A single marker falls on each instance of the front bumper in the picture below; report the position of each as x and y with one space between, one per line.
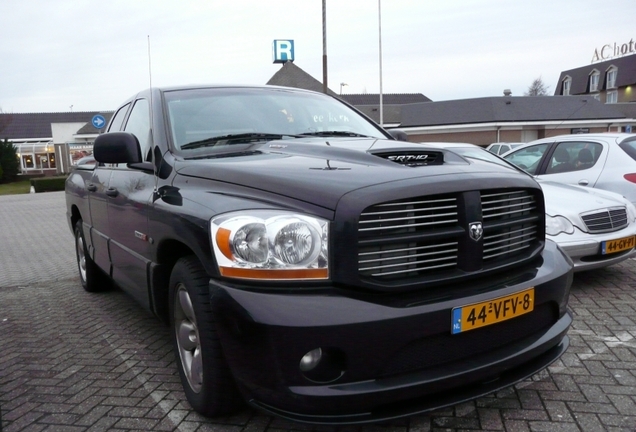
387 356
585 249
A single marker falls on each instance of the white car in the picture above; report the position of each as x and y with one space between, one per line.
502 147
595 227
601 161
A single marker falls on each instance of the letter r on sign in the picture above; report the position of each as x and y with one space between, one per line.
283 51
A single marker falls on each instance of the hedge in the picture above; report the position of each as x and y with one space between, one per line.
48 184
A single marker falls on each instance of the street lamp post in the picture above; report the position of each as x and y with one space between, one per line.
380 50
342 85
324 46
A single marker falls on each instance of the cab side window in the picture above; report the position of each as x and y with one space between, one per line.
118 119
574 156
138 124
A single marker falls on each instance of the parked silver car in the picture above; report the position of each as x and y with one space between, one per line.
595 227
603 161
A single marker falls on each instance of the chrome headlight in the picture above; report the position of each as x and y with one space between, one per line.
267 244
555 225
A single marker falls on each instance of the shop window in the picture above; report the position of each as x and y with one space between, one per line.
41 161
594 77
27 161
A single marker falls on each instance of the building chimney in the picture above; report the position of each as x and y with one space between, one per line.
507 92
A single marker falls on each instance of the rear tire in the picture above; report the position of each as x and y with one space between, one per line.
205 375
92 278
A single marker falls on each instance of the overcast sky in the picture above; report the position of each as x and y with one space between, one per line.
91 55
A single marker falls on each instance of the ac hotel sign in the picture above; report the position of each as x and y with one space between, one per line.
610 51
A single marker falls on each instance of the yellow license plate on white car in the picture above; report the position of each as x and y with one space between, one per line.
619 245
477 315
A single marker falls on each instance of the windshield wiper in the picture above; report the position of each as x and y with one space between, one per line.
335 134
235 139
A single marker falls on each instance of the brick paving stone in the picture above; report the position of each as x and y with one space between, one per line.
75 361
558 411
490 419
588 422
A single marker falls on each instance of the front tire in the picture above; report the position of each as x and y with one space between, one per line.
92 278
205 375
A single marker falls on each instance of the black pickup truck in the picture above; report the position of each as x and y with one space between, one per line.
311 264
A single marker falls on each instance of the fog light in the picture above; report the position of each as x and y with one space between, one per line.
323 365
311 360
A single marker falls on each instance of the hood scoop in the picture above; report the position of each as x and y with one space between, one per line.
413 158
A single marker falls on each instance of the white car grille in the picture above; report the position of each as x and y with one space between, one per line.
608 220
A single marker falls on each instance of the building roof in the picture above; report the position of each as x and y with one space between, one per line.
89 129
626 75
391 114
387 98
507 109
627 108
290 75
38 125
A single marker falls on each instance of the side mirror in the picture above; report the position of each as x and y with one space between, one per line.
398 134
117 147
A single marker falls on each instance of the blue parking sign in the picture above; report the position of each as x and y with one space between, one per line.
283 51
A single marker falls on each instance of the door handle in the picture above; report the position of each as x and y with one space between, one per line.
112 192
92 187
583 182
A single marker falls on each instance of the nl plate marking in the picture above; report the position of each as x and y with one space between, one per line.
619 245
477 315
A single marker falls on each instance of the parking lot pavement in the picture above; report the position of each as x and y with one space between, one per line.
75 361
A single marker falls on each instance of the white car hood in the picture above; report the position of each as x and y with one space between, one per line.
570 201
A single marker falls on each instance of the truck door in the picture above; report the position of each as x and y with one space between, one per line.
98 233
130 195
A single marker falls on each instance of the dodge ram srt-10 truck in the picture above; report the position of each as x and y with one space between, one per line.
311 264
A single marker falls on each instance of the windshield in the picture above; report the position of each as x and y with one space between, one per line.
213 118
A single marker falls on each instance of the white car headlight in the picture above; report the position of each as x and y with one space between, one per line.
555 225
266 244
631 211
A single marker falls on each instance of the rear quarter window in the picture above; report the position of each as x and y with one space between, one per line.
629 147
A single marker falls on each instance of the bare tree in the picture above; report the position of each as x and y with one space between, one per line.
537 88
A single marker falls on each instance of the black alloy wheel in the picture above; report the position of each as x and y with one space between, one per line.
205 375
92 278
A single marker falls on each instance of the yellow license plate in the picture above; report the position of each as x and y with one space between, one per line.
477 315
613 246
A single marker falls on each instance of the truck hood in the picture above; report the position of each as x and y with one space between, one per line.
322 170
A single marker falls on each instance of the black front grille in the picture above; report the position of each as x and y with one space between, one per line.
404 218
424 236
608 220
513 237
